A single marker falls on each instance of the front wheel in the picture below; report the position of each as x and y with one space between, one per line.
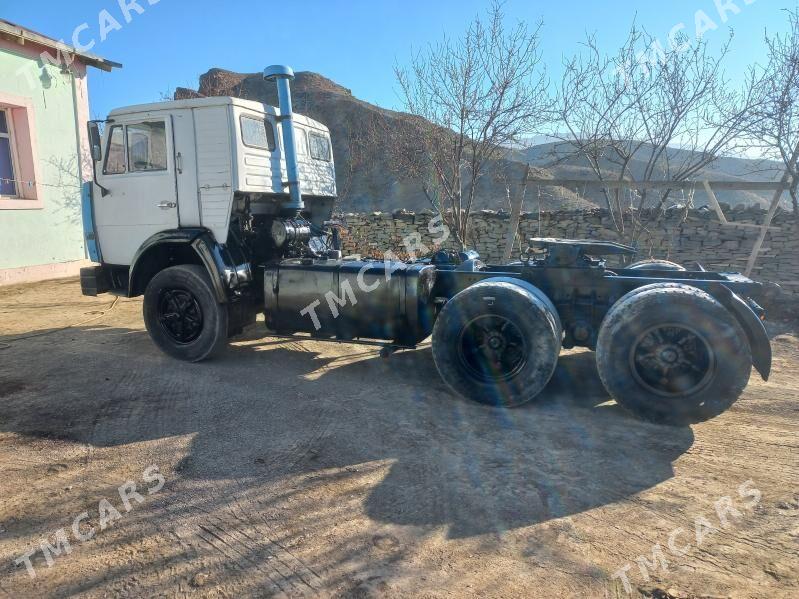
182 315
672 354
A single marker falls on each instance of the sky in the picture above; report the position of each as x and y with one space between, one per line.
165 44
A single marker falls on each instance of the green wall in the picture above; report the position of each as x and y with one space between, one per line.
53 233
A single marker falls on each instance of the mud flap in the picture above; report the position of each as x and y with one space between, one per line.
755 331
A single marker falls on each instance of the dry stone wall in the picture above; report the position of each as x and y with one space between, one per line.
679 235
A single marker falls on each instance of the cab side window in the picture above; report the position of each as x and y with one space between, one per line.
147 146
115 159
320 146
138 147
301 141
257 133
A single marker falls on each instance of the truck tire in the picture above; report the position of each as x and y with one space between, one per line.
497 342
182 315
655 265
672 354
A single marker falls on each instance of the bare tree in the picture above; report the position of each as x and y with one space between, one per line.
774 124
472 97
360 141
595 110
650 113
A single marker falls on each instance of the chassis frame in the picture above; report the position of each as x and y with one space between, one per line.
583 289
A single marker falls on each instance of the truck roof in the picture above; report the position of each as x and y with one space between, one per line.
211 101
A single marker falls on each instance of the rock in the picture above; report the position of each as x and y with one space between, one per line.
385 542
778 571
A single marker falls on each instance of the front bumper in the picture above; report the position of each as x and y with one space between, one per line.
94 280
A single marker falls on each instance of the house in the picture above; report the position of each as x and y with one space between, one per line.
44 154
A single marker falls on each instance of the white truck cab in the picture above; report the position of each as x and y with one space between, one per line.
191 200
172 165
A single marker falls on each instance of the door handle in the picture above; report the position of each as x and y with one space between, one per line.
166 205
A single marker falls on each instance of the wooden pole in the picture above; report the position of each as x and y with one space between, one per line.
714 202
655 184
775 202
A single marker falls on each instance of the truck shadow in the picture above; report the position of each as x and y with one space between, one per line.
491 470
271 409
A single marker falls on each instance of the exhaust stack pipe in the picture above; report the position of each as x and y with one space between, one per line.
282 75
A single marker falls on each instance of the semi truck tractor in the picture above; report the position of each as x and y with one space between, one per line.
218 209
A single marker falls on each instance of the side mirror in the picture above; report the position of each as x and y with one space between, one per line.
96 149
95 143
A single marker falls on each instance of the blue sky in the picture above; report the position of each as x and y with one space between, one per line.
355 42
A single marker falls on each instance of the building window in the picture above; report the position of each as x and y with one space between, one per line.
8 177
19 167
320 146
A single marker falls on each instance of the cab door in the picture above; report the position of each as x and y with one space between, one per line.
138 174
186 167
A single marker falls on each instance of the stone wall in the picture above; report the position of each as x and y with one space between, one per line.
679 235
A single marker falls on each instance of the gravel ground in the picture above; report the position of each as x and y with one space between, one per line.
305 469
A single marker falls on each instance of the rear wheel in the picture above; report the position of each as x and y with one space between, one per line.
497 342
670 353
182 315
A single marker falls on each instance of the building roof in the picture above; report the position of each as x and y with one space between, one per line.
22 35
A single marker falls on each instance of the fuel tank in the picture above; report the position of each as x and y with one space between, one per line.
350 299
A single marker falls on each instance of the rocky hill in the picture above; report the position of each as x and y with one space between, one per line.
558 159
368 183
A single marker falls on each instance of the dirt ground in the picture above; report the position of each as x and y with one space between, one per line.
301 468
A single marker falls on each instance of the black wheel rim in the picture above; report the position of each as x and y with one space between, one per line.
179 315
492 348
672 360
